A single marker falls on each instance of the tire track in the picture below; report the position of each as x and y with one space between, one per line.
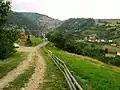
12 75
38 77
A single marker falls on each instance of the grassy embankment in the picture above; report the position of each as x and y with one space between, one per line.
54 80
36 40
92 75
10 63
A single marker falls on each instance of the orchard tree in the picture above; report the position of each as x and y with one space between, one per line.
8 35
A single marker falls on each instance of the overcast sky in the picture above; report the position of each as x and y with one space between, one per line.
64 9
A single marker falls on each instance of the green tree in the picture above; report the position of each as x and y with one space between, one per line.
7 35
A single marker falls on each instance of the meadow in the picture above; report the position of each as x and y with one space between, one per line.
90 75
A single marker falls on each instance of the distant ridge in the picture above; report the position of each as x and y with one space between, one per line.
32 21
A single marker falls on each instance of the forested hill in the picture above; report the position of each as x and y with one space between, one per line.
19 19
76 24
82 28
32 21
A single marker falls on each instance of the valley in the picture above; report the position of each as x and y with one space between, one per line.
38 52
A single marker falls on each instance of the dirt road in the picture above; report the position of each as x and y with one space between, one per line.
37 77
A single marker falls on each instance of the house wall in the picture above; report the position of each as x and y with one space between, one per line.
118 54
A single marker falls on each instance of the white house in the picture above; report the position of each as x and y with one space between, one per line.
97 40
102 40
118 53
89 40
110 41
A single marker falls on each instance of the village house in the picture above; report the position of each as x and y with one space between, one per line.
118 53
102 40
110 41
92 38
22 34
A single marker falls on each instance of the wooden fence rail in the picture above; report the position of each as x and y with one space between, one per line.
73 84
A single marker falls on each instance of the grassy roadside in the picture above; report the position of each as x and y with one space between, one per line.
89 74
10 63
21 80
36 40
54 80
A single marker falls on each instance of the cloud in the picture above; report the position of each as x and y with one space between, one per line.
64 9
26 5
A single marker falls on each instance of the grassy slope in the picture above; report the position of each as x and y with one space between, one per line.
89 74
10 63
112 49
36 40
20 81
54 79
113 21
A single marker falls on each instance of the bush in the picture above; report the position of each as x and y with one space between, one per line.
113 60
116 61
29 43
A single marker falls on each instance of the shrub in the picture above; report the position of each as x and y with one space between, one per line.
29 43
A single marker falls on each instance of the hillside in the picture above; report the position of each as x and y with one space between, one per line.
90 73
16 18
32 21
42 19
82 28
112 21
75 24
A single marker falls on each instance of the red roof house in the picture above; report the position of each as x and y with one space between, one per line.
22 33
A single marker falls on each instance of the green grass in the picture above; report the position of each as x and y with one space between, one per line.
54 79
36 40
113 21
95 45
21 80
92 76
10 63
111 49
117 40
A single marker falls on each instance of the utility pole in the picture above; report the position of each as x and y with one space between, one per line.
38 28
43 26
44 36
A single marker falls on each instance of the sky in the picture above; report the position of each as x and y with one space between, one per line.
65 9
